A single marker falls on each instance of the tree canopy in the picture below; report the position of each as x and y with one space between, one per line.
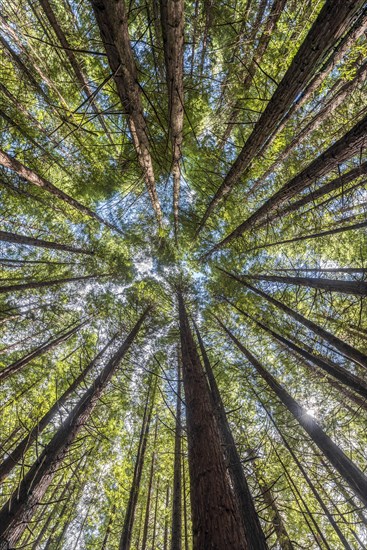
183 240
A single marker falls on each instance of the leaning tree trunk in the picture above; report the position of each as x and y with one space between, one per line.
125 540
40 350
345 148
149 491
46 284
337 343
20 508
216 520
333 369
176 529
31 176
355 478
17 453
32 241
333 21
250 520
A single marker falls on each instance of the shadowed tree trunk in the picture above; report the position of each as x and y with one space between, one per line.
19 510
40 350
216 521
46 284
355 478
333 21
31 241
149 490
337 343
176 530
251 524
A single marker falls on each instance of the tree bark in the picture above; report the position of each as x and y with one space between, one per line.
17 453
40 350
45 284
333 21
31 241
18 511
149 495
176 529
355 478
347 350
216 520
250 520
31 176
345 148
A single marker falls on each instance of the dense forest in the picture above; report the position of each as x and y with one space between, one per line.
183 346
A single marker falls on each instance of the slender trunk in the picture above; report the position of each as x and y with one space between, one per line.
126 535
251 524
17 453
40 350
176 530
333 21
216 519
31 176
337 343
149 495
165 536
46 284
108 529
356 288
155 527
19 510
333 369
355 478
31 241
345 148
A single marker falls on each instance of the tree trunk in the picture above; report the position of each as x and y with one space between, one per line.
17 453
216 519
355 478
342 375
28 174
31 241
343 347
45 284
356 288
333 21
344 149
126 535
176 530
18 511
40 350
251 524
149 495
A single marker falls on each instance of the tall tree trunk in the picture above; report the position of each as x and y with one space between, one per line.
108 529
112 20
165 535
356 288
337 343
333 21
216 519
46 284
17 453
345 148
31 241
176 529
355 478
40 350
125 540
31 176
19 510
149 495
341 374
251 524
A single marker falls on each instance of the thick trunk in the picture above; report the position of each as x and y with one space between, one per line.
172 18
216 520
31 176
347 350
250 520
356 288
40 350
344 149
112 20
333 21
176 531
355 478
126 535
46 284
17 453
333 369
31 241
19 510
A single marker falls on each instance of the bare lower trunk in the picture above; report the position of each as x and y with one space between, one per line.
176 532
31 241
